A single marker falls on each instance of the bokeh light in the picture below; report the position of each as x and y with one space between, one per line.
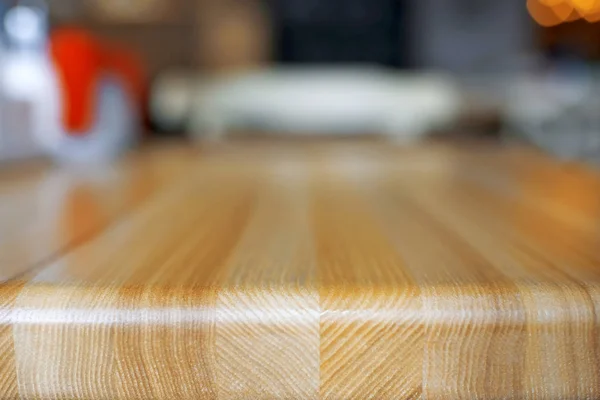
555 12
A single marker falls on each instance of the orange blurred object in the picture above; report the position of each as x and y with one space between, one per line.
77 59
82 61
565 11
574 16
554 12
542 13
593 16
585 6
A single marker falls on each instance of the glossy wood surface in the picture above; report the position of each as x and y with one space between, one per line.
347 270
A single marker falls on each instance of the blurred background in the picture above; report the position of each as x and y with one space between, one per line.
84 80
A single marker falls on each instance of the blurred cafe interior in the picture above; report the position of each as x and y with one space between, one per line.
87 79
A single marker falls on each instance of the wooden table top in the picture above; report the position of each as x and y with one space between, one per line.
302 271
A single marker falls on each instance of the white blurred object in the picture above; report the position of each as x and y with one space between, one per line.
114 130
25 26
29 94
403 106
557 112
31 100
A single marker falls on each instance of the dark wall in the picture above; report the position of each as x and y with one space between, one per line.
341 31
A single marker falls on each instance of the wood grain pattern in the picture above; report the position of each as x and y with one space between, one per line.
344 270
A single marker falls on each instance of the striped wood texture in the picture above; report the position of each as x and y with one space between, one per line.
349 270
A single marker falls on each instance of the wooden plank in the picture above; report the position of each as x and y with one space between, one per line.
313 270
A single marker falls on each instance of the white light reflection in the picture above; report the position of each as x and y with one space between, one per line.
281 316
158 316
